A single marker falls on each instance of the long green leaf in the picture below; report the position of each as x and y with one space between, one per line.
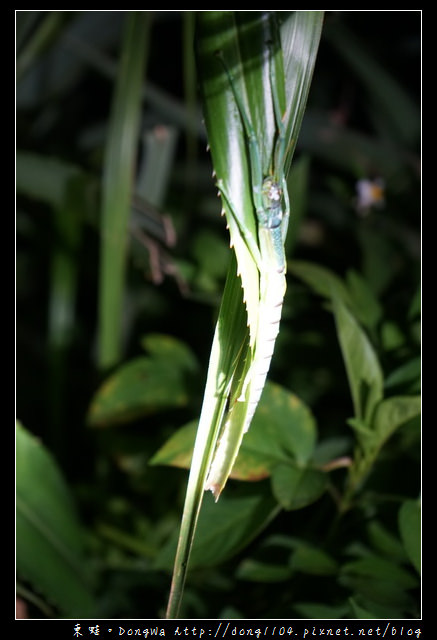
362 364
223 355
120 158
252 67
250 52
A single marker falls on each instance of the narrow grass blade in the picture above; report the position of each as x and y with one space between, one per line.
117 184
224 354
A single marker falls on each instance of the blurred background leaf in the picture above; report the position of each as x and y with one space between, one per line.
50 542
410 530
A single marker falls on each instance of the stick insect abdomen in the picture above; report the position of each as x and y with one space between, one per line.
240 415
271 206
273 285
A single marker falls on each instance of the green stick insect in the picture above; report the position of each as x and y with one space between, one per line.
256 79
272 208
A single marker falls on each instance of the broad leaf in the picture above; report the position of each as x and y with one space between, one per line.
146 384
50 553
312 560
256 571
295 487
322 280
410 530
282 430
223 529
393 412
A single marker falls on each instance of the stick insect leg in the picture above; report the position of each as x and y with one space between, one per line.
285 219
254 153
280 146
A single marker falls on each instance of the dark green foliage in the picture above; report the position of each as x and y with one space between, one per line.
322 518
